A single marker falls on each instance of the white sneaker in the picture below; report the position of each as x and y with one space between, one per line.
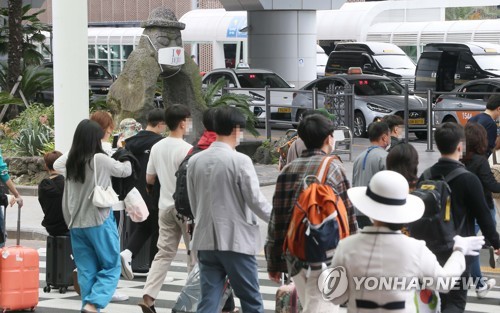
126 257
119 297
483 291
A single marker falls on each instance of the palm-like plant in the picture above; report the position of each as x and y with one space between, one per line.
214 98
35 79
33 35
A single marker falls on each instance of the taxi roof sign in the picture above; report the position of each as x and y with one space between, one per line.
490 50
354 71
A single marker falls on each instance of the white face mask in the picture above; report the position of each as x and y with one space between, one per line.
189 127
240 138
388 147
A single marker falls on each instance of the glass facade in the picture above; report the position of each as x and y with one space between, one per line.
112 57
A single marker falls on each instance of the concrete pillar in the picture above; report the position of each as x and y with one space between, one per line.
285 42
71 80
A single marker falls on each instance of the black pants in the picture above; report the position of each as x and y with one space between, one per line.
456 299
143 231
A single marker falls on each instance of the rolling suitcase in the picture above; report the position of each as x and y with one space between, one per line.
287 299
19 270
60 265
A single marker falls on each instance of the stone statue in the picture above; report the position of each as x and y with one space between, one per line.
133 92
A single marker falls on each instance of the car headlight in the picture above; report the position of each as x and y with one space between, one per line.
378 108
256 96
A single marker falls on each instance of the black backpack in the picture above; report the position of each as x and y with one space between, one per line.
181 198
437 226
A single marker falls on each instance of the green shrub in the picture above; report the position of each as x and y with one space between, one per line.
24 135
32 139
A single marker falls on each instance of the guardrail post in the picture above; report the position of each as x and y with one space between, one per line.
429 121
315 98
268 113
349 107
407 113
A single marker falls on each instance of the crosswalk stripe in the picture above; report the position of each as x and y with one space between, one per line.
70 302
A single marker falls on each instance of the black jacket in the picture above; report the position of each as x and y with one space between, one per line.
50 193
122 185
479 165
467 201
140 146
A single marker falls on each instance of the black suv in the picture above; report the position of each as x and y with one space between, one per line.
99 82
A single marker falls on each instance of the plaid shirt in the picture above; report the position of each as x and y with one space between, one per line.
288 185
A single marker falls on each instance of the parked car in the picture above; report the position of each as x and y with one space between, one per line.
444 66
377 58
100 80
466 101
374 97
257 79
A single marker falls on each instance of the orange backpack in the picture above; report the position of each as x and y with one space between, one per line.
319 219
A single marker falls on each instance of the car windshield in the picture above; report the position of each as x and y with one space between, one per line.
376 87
394 61
97 72
260 80
489 62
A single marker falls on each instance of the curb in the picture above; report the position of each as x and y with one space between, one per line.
31 191
27 234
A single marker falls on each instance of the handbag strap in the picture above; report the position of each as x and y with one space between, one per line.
95 170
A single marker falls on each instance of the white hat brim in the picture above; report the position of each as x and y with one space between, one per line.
411 211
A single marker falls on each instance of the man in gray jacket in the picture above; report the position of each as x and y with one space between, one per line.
371 161
226 199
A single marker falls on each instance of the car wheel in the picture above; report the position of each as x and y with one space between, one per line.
359 125
449 119
421 135
298 117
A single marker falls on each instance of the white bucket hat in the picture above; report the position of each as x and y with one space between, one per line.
386 199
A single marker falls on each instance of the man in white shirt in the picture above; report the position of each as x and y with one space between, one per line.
225 199
164 161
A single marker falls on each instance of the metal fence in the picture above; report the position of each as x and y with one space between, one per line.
430 95
341 103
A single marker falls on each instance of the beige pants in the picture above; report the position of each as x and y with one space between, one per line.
171 231
310 295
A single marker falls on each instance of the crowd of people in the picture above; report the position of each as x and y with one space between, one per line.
226 202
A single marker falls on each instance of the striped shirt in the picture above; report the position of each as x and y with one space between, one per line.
288 185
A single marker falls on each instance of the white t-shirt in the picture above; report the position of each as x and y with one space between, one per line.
164 160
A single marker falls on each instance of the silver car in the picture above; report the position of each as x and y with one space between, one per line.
374 97
466 101
257 79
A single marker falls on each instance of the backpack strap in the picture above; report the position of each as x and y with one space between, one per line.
323 169
455 173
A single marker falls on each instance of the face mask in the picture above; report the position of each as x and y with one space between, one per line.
189 127
240 138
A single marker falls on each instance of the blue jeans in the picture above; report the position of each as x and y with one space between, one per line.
97 256
242 272
475 267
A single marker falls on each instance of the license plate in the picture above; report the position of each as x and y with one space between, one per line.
416 121
284 110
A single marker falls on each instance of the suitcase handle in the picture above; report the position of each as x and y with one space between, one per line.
18 235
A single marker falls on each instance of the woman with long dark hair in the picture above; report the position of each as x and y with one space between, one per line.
476 145
94 236
403 158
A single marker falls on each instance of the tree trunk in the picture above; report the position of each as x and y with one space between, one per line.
15 47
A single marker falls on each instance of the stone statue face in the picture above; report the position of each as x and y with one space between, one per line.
166 37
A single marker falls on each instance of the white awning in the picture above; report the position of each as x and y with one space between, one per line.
214 25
